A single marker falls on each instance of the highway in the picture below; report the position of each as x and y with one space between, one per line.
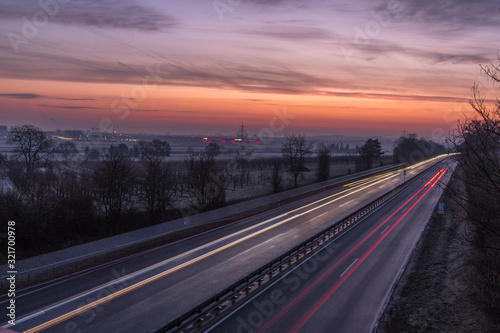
145 291
343 288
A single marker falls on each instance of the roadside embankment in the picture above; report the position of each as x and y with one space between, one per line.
435 293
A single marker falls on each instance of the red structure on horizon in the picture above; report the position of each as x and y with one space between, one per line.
210 140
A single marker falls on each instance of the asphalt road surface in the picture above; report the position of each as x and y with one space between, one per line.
344 287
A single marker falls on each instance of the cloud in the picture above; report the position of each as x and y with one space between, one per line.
169 111
70 99
403 97
289 32
266 2
458 14
380 47
36 96
69 107
242 77
268 79
22 96
124 14
255 78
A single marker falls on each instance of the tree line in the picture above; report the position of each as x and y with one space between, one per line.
128 188
477 140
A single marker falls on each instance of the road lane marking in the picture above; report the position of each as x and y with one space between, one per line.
385 229
317 217
29 317
341 275
345 203
297 299
295 328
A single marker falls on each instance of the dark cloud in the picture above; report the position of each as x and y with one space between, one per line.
124 14
455 14
398 97
439 57
289 32
263 78
255 78
69 107
266 2
379 48
71 99
22 96
169 111
36 96
249 78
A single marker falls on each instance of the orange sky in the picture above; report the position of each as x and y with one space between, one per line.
331 68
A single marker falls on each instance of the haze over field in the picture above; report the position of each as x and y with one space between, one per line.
201 67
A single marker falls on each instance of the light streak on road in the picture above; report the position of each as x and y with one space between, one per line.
140 284
294 302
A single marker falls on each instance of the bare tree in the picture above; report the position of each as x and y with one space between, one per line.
243 171
409 149
157 185
32 145
369 153
213 149
154 149
114 180
74 211
478 142
276 175
205 184
67 149
294 150
324 162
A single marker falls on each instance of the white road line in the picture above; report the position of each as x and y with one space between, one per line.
345 203
341 275
314 218
25 318
385 229
404 210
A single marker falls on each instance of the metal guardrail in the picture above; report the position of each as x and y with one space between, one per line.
199 317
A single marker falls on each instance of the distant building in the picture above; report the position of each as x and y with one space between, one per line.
95 130
73 135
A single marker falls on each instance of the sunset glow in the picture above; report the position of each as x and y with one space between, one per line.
335 67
